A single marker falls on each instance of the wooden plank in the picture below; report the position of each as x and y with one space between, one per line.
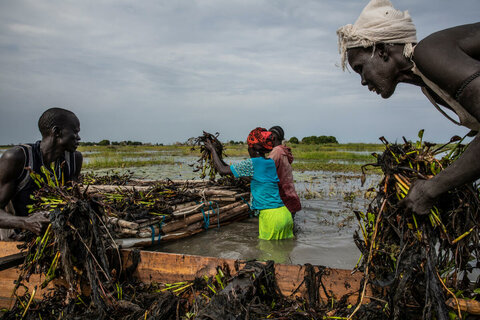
11 261
9 247
170 268
7 285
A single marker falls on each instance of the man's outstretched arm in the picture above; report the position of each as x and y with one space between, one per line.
450 58
11 166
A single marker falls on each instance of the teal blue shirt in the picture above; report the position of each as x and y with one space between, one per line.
264 184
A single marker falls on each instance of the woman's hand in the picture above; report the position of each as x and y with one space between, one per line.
209 145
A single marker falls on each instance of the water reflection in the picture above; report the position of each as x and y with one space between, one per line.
324 237
276 250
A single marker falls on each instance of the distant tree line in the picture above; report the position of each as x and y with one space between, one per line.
190 142
314 140
106 142
235 142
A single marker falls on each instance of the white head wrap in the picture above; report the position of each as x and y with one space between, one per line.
379 22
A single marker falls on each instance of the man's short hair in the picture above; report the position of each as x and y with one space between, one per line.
53 117
278 131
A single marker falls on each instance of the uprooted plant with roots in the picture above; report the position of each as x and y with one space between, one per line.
205 163
418 265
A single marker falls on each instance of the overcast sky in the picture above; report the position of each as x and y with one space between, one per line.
164 70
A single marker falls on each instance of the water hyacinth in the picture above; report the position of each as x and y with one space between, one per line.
414 263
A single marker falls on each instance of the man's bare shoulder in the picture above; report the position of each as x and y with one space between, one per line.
13 155
449 56
12 163
464 36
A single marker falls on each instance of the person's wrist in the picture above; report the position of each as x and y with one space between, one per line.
429 189
22 223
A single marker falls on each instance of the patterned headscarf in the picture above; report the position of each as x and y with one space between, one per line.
260 137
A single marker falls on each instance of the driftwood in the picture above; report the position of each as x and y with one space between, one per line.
204 192
189 210
168 181
109 188
204 206
184 206
470 306
122 223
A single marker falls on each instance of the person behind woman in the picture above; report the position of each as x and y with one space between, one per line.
275 221
282 155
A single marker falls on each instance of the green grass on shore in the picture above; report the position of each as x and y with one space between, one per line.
328 157
104 163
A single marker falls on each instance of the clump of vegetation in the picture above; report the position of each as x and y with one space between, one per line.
110 178
73 247
414 263
205 163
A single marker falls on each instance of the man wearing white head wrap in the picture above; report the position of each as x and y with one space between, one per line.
381 48
379 22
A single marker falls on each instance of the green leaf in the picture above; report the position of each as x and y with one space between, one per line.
420 134
452 315
371 218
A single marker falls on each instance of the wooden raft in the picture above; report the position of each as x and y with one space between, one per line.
219 206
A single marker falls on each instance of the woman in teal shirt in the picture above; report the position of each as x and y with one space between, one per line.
275 221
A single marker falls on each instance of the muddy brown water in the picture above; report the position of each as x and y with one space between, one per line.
324 227
323 237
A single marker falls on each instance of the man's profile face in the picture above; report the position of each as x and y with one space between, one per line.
378 74
68 137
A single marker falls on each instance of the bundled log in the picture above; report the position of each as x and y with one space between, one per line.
214 205
164 209
210 217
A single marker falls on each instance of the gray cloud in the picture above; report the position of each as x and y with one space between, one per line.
162 71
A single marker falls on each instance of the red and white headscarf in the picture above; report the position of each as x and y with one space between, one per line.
260 137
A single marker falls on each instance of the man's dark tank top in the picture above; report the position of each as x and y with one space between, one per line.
25 184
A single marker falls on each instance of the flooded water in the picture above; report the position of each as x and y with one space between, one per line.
324 227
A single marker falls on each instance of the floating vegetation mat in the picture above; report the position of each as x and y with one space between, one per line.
152 211
419 266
